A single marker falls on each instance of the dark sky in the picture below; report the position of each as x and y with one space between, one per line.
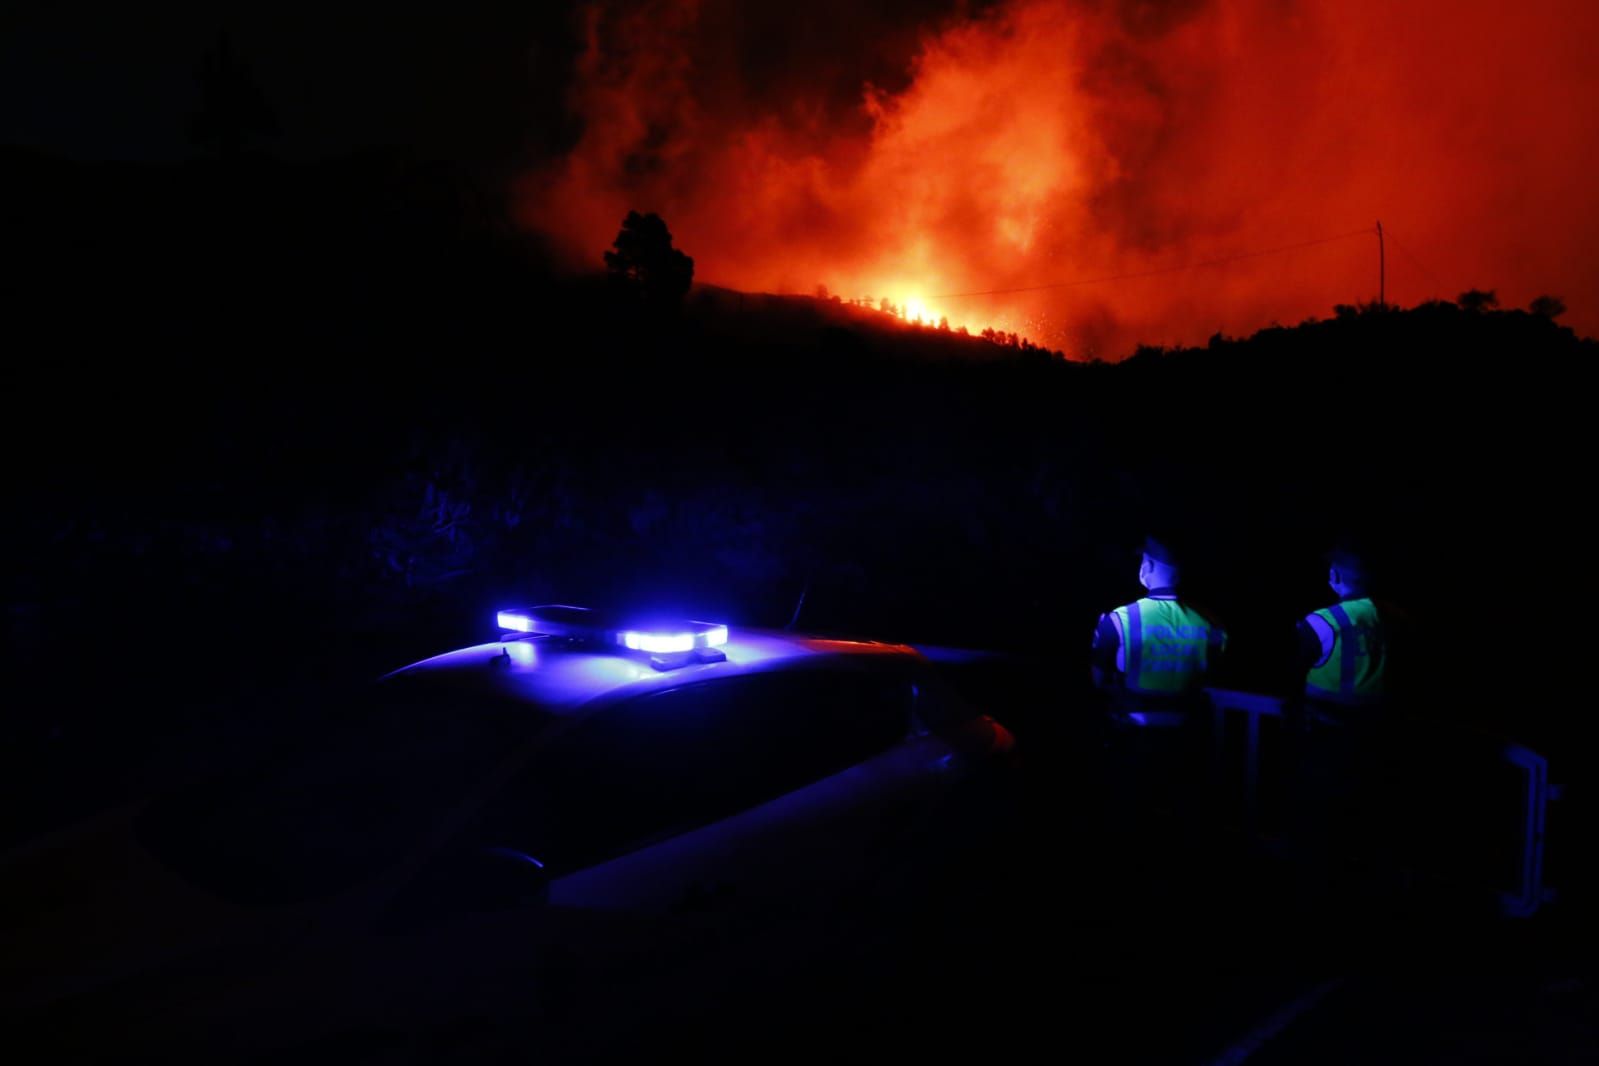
117 80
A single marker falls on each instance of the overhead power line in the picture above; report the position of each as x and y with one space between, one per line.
1219 261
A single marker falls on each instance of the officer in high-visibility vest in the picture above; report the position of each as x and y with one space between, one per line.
1346 793
1152 658
1154 655
1344 648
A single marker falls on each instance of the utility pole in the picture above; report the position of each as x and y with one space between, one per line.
1382 269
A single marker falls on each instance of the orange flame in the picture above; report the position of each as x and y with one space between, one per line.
1048 144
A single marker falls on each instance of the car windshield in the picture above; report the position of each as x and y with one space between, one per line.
345 804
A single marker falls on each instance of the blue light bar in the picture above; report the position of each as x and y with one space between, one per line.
658 643
514 621
669 643
673 637
553 620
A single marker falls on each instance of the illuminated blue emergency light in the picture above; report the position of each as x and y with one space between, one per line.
670 638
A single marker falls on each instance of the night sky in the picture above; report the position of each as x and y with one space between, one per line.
106 80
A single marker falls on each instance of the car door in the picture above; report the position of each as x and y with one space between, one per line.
756 791
655 802
680 828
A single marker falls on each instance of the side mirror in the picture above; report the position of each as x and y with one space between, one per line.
469 881
505 879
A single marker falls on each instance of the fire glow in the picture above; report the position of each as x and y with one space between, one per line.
1093 176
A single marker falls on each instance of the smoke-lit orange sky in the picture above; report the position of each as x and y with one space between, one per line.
922 150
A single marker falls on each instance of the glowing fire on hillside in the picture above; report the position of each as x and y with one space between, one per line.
1093 175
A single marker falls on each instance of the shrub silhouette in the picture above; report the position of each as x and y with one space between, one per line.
1550 307
234 112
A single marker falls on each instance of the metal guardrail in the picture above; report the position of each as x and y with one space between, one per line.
1254 707
1530 892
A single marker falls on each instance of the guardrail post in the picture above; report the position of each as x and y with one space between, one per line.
1530 895
1218 753
1252 776
1253 706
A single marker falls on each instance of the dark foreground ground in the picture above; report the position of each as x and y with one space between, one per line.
1071 930
1065 941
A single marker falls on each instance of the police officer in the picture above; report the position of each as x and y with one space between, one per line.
1152 658
1344 648
1349 804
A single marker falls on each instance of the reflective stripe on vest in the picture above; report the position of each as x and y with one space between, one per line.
1353 669
1167 645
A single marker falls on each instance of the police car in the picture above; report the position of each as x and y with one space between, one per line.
586 788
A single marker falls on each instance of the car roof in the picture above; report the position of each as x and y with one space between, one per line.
560 676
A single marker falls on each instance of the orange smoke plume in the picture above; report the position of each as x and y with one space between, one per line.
1094 175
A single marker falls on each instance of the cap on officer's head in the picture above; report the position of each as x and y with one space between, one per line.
1160 550
1352 563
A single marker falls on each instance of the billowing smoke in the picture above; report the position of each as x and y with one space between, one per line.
1224 162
